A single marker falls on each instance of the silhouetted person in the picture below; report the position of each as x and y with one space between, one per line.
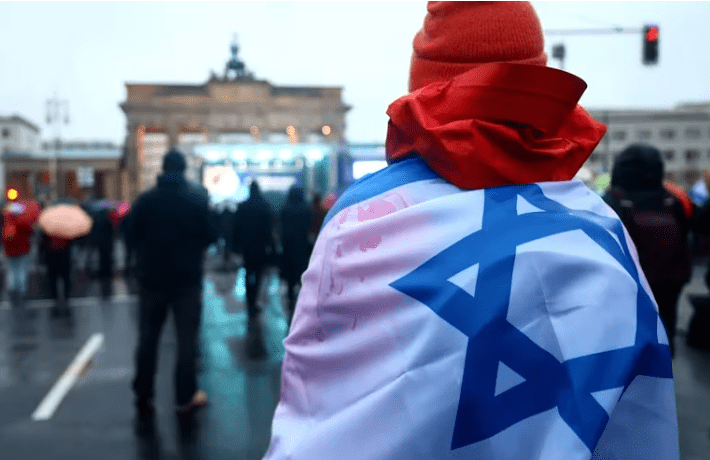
170 226
226 223
253 233
129 254
57 253
658 222
295 227
104 240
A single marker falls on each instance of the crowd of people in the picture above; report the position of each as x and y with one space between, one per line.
27 245
169 227
166 234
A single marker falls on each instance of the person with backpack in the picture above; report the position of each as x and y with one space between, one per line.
657 219
295 225
253 234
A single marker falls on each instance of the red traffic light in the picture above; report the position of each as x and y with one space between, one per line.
652 34
650 44
12 194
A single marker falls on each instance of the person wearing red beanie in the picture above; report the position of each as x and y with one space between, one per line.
471 300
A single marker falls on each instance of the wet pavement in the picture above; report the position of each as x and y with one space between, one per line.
239 369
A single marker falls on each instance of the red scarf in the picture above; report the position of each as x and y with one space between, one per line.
497 124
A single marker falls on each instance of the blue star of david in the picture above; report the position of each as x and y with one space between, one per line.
492 339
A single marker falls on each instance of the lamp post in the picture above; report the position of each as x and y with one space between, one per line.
57 112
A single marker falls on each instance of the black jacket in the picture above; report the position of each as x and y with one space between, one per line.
253 230
102 232
295 227
170 226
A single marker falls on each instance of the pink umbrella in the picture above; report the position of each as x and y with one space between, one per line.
65 221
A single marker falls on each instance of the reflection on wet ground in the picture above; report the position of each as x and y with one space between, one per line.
239 370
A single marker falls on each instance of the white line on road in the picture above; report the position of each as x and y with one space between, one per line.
49 404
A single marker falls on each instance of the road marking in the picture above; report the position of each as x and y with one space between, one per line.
49 404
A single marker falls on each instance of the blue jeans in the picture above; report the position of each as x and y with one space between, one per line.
16 274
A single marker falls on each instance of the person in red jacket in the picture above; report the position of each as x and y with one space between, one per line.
17 242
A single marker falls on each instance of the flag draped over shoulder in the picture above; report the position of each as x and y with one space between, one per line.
504 323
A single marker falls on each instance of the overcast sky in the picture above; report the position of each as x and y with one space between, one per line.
87 51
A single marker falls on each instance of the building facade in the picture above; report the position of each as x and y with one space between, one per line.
86 170
681 134
17 136
224 110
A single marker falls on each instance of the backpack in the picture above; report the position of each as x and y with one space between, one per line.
659 236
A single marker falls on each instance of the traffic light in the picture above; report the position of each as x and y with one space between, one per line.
650 45
12 194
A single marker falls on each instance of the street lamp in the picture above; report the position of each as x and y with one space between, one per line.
57 111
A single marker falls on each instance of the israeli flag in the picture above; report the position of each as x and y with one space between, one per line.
506 323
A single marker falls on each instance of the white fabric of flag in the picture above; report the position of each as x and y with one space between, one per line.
506 323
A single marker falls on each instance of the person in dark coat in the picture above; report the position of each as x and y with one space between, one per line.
129 253
253 233
56 252
226 220
170 227
104 240
637 186
295 226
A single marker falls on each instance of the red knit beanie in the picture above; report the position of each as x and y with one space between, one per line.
458 36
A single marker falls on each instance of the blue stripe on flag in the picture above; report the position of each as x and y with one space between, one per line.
404 172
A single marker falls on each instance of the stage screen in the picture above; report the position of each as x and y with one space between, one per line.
226 184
